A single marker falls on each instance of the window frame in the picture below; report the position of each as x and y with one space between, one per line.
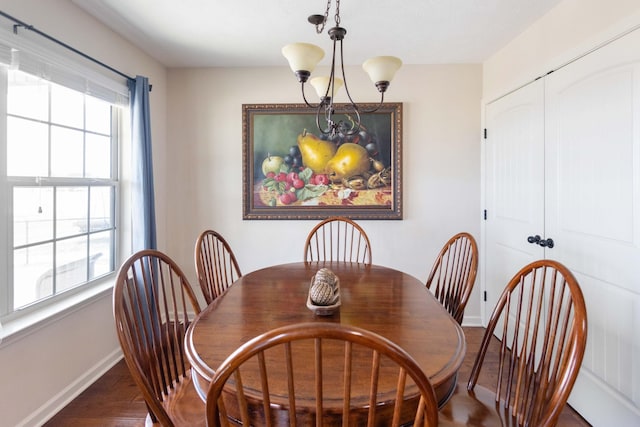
16 320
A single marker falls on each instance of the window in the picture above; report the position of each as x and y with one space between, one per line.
59 183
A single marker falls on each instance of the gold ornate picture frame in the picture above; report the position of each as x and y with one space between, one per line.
292 171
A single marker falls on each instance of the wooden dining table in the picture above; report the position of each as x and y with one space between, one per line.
389 302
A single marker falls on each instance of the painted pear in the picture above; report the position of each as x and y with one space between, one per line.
350 159
315 152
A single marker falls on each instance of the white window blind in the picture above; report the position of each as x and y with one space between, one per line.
5 54
19 50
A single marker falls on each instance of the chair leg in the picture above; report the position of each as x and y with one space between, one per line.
152 416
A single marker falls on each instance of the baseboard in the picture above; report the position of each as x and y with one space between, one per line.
600 405
62 399
472 321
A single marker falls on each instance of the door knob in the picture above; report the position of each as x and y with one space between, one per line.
534 239
546 243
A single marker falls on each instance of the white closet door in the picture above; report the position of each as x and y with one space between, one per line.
514 186
593 215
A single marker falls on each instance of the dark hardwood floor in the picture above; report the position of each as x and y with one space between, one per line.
114 400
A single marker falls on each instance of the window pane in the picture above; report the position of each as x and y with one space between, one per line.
67 106
62 234
71 211
71 263
98 116
32 215
66 152
101 259
32 274
27 149
27 96
98 156
101 208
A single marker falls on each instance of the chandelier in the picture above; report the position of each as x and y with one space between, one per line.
303 58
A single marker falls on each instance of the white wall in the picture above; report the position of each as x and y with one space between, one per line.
569 30
44 368
441 161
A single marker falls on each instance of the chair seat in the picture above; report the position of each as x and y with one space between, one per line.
475 408
185 406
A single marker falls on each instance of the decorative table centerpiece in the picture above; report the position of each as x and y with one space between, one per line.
324 293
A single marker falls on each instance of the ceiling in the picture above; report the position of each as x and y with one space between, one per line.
246 33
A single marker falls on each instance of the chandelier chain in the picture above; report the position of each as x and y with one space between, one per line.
336 17
320 27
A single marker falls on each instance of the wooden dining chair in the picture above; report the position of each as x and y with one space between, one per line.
242 387
454 273
216 264
337 239
538 334
153 305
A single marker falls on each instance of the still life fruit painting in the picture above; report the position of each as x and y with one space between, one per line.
294 171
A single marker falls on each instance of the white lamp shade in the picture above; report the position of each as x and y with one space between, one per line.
382 68
302 56
320 84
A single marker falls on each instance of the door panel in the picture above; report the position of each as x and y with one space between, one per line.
514 185
592 198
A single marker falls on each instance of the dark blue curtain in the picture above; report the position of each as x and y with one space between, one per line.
143 215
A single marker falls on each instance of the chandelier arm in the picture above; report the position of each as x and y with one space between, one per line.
327 100
327 113
355 128
332 75
356 125
344 77
376 108
305 98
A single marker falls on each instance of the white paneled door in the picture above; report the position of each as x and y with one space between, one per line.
514 186
562 161
592 143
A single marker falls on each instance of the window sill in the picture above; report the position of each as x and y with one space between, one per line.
15 329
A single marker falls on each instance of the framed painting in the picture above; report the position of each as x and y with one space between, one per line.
292 171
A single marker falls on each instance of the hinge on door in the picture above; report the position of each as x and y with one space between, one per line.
485 215
485 296
485 133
